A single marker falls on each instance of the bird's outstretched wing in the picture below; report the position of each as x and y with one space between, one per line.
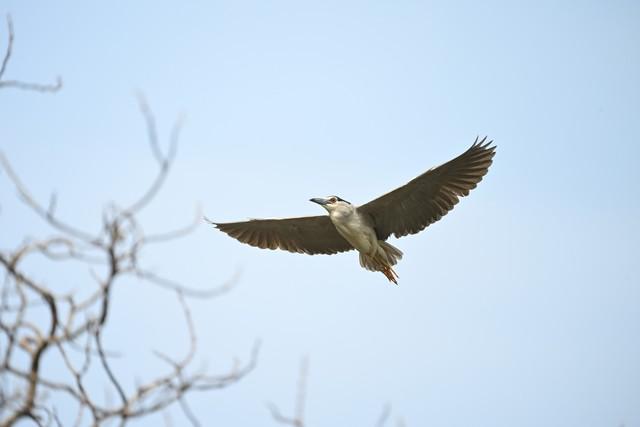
310 235
427 198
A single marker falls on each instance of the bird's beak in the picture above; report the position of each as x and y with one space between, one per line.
319 200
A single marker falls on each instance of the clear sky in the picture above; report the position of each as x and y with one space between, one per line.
519 308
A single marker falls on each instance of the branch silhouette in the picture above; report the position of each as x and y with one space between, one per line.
18 84
298 419
116 250
39 325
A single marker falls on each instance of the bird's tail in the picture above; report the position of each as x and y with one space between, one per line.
384 258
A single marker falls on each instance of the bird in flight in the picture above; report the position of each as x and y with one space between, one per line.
406 210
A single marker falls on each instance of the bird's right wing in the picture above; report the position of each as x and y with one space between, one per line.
310 235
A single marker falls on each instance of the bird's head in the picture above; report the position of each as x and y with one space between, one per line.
330 203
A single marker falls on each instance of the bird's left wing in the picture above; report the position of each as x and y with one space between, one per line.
310 235
427 198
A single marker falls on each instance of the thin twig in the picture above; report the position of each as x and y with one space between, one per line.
109 371
188 413
26 197
212 292
16 84
164 162
298 419
174 234
36 87
7 55
384 416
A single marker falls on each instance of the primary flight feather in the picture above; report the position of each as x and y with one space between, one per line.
406 210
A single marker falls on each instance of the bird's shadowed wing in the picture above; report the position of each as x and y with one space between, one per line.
310 235
427 198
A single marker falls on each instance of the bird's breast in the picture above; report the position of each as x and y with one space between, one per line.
356 231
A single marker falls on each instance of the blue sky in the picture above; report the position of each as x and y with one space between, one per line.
520 307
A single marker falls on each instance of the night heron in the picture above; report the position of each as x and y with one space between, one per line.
405 210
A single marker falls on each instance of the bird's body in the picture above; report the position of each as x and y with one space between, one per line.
405 210
354 227
357 229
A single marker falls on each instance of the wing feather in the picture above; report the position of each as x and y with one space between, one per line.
427 198
311 235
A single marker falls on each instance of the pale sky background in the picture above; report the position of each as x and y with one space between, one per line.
519 308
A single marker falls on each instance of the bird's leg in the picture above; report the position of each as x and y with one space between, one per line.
384 267
390 274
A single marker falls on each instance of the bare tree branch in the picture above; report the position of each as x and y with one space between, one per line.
36 87
164 162
110 254
384 416
46 214
108 370
212 292
174 234
298 419
16 84
188 413
7 55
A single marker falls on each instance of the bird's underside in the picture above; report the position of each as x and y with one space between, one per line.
408 209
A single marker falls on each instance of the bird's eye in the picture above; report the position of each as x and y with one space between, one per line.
333 200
